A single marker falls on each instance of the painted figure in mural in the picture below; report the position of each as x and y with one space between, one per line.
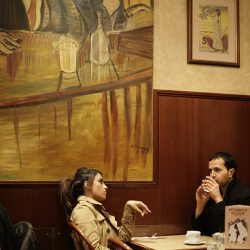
8 43
73 20
12 17
221 188
82 196
76 19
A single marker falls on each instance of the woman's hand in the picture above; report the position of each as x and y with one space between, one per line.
139 207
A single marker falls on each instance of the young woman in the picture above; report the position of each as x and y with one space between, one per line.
82 196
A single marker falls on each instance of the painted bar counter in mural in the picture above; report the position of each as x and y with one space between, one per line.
76 89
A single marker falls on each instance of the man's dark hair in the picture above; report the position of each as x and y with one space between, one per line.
229 160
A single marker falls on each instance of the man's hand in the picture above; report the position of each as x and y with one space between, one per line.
139 207
202 198
213 188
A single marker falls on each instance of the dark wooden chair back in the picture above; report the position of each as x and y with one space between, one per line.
79 239
117 244
82 243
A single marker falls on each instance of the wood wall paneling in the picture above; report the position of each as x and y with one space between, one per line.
191 126
188 127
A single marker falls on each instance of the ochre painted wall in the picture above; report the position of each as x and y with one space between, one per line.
171 71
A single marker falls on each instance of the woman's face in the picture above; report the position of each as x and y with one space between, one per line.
98 190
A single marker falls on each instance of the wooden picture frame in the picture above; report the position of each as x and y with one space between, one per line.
213 32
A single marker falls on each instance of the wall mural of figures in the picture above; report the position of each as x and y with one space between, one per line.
76 89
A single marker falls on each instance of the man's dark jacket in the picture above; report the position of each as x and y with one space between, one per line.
213 217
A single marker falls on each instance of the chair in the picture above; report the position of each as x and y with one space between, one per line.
79 239
19 236
24 237
82 243
117 244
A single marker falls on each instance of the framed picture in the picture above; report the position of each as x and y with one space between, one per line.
213 32
72 95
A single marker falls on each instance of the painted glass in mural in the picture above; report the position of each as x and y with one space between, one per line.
76 89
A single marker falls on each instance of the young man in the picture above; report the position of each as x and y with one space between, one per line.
219 189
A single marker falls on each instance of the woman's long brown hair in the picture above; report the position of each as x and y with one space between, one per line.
72 188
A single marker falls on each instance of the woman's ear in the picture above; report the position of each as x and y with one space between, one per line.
86 186
231 172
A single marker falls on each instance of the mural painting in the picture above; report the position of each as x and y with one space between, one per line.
76 89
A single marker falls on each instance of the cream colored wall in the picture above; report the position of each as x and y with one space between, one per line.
171 71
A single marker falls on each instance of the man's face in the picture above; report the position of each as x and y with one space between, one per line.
98 188
219 172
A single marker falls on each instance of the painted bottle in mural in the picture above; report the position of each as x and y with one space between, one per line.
121 17
99 53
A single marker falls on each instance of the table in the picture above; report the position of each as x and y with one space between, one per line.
170 242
